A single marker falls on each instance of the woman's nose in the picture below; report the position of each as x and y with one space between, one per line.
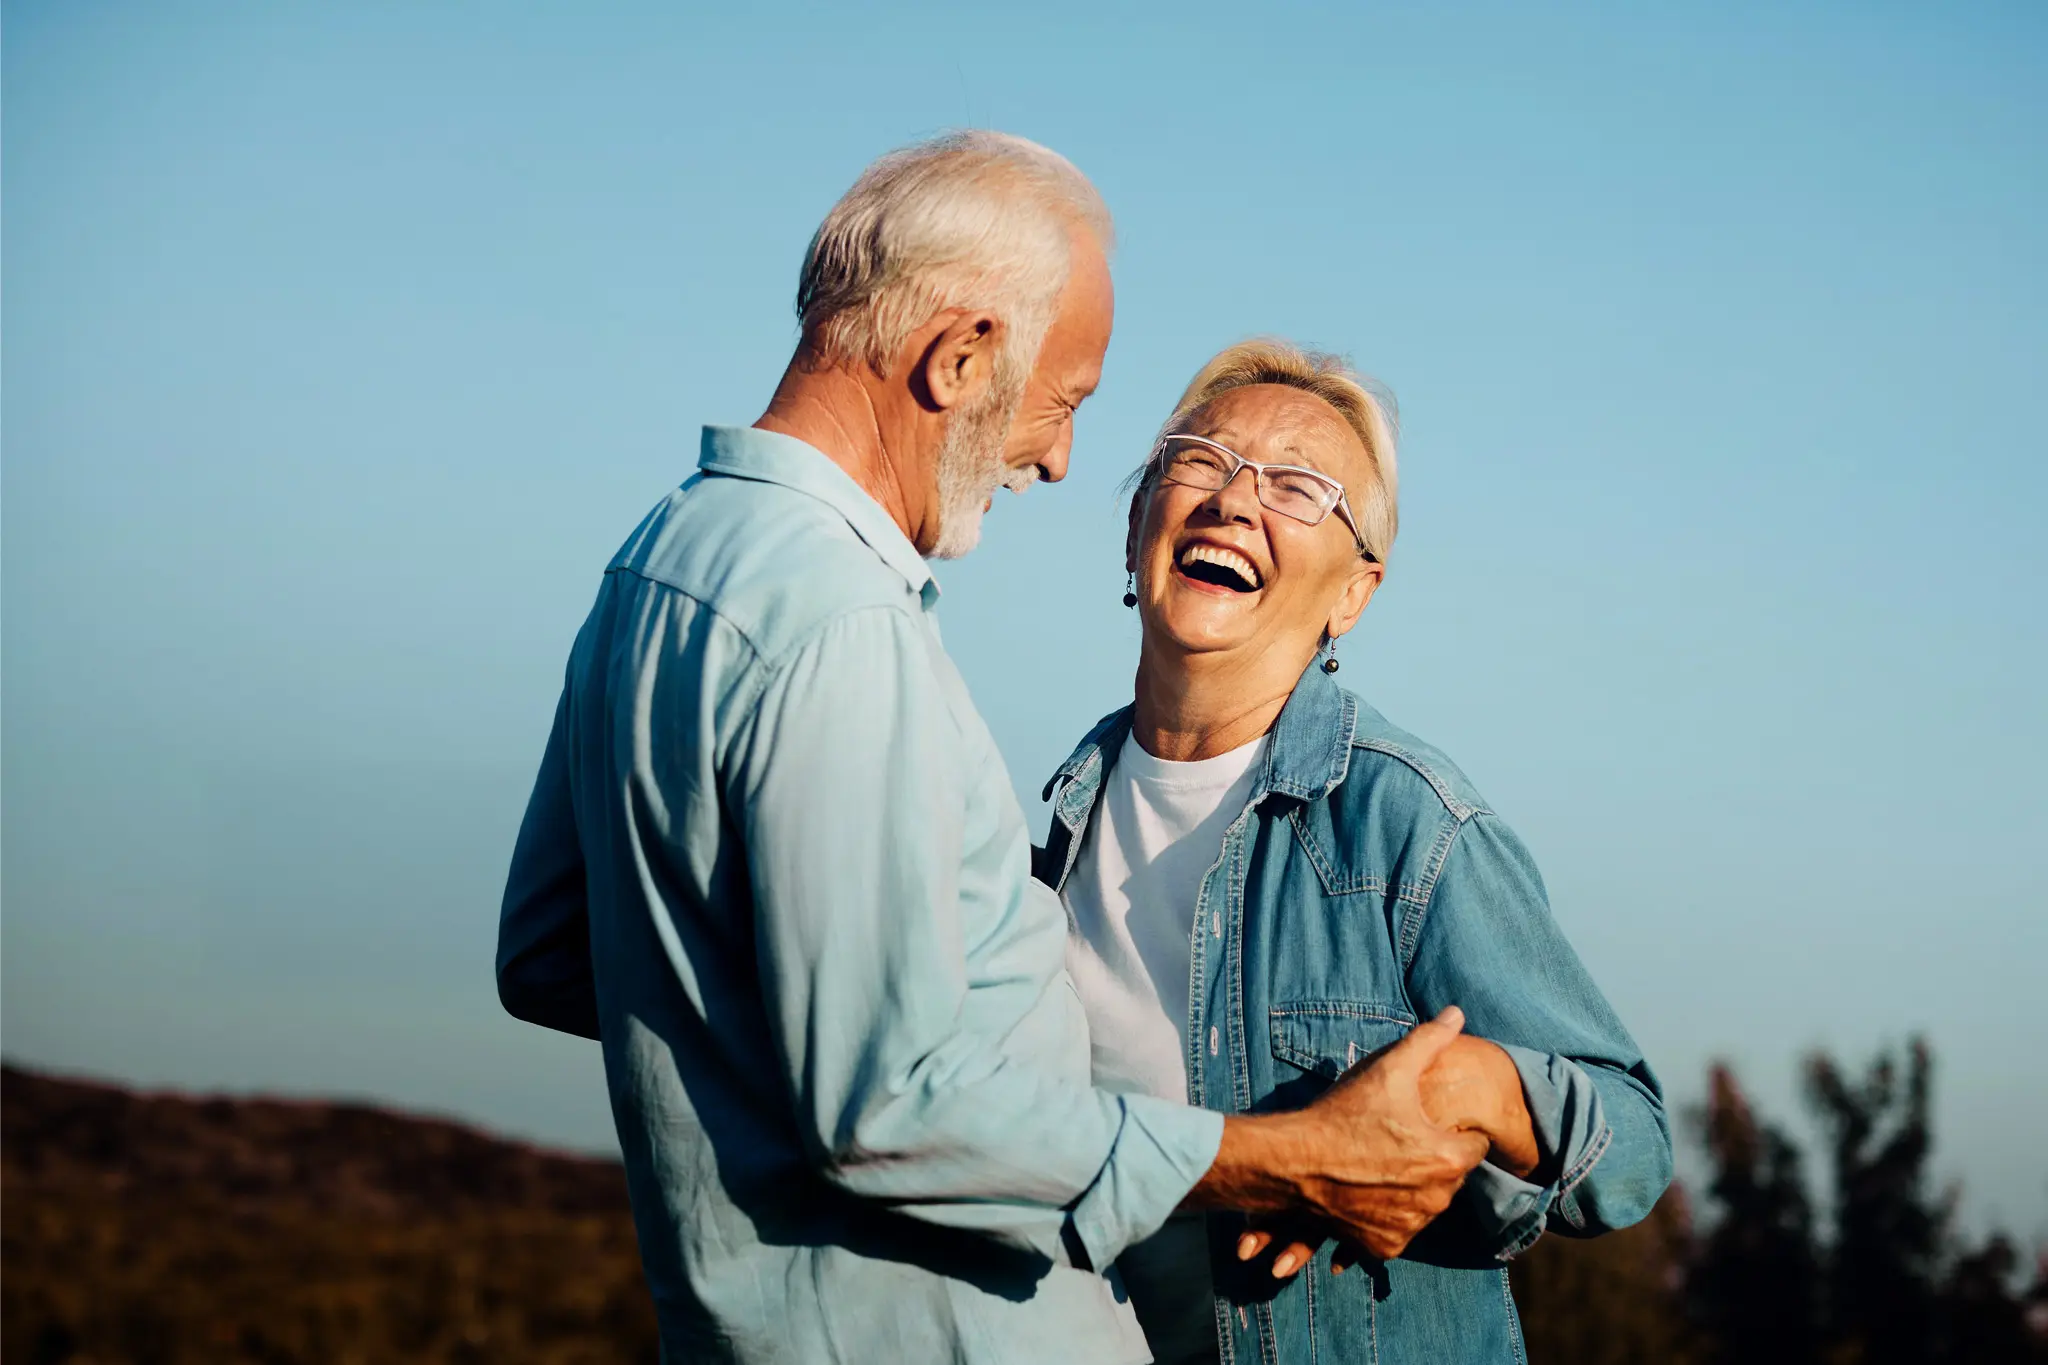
1237 500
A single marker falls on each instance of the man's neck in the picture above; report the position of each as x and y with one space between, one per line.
1196 706
832 411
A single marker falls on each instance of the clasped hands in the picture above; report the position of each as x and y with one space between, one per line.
1375 1158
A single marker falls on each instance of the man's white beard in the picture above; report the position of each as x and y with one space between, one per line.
971 468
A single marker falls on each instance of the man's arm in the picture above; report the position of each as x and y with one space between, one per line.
544 974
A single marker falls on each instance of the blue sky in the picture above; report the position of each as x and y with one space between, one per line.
344 343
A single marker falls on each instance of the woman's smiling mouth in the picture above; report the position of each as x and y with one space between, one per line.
1218 566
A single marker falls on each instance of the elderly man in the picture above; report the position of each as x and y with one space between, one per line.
774 864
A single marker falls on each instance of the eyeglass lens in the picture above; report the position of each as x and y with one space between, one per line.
1296 493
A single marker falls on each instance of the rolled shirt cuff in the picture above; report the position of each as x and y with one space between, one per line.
1161 1150
1571 1135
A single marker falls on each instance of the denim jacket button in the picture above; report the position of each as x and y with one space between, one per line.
1215 1041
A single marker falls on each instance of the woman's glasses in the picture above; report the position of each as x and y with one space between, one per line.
1308 497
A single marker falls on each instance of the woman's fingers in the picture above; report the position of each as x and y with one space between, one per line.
1292 1259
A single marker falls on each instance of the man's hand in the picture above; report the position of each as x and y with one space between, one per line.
1364 1160
1471 1085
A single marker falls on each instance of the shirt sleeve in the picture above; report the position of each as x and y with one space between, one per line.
544 971
847 786
1487 943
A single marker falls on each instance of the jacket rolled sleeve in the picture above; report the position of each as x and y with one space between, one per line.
1488 944
851 816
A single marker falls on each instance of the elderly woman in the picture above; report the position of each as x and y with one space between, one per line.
1267 882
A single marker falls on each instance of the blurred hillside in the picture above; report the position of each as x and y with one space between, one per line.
164 1230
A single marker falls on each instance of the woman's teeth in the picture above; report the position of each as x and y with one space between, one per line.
1233 566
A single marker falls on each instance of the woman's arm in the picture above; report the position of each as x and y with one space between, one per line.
1580 1140
1485 939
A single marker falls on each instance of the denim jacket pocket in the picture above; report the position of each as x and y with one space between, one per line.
1325 1037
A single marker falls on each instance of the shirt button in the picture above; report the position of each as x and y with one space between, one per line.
1216 923
1215 1041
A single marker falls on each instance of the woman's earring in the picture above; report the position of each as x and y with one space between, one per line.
1131 591
1330 657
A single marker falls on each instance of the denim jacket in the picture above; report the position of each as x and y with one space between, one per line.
1365 886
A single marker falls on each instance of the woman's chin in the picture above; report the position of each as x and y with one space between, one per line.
1202 632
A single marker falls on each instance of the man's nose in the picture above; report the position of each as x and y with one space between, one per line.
1053 467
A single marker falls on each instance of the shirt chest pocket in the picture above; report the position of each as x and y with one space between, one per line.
1316 1041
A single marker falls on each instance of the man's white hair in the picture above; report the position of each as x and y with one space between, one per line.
971 219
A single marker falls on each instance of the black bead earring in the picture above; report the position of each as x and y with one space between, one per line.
1131 591
1330 657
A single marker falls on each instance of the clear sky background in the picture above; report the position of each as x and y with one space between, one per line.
344 343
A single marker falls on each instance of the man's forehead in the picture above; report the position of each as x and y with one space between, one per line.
1081 372
1090 294
1074 346
1086 378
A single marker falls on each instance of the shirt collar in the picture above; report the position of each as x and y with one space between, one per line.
771 457
1312 739
1307 759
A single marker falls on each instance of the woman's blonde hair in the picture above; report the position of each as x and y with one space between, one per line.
1364 405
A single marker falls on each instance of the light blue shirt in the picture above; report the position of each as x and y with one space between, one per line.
773 861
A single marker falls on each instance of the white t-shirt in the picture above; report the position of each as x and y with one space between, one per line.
1156 830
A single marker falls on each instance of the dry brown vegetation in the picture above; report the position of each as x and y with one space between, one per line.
163 1230
160 1230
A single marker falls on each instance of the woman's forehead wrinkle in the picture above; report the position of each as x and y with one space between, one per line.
1287 445
1308 459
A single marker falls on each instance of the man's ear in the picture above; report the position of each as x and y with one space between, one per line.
960 362
1358 590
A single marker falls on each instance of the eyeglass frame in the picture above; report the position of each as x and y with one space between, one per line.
1342 507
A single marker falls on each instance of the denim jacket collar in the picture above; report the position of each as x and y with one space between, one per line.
1309 755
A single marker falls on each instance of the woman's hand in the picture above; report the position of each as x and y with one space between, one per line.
1473 1086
